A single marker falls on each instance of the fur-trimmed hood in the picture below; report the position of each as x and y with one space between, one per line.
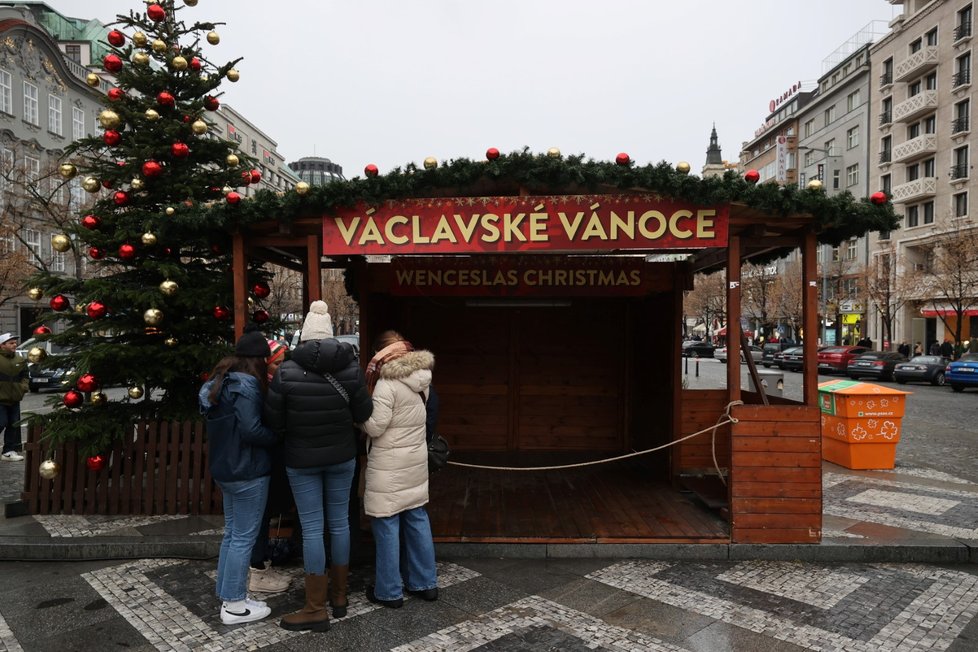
413 369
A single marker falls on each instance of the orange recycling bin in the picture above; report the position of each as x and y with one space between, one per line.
860 423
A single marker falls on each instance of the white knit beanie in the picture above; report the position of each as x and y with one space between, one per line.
318 324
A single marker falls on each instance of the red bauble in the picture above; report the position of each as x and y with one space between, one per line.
127 252
232 197
245 178
116 38
221 313
195 64
752 176
216 249
255 176
96 309
371 170
211 103
121 198
878 198
156 12
59 302
73 398
260 316
261 289
116 94
152 169
96 253
214 190
112 137
91 222
165 98
492 154
87 383
96 462
106 183
42 331
112 63
167 251
623 159
180 150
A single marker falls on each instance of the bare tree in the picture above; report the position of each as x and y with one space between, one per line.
758 295
707 301
788 297
950 277
345 311
887 287
15 268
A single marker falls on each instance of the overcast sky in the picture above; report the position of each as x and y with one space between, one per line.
394 81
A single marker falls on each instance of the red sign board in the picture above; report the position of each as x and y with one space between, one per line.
567 223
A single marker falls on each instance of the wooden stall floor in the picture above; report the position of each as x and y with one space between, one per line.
612 503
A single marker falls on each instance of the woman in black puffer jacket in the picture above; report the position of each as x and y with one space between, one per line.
316 420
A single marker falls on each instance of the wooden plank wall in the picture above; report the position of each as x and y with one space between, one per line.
776 475
161 469
701 408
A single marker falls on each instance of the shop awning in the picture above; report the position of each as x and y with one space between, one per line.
946 311
723 331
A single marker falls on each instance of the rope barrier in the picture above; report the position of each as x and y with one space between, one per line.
723 420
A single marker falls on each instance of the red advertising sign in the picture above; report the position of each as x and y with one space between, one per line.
567 223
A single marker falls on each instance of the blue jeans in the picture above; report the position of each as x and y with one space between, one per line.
309 486
9 415
420 573
244 504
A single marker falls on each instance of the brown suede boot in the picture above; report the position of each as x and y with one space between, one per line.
337 590
313 617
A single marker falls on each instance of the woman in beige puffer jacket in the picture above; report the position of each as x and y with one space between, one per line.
397 474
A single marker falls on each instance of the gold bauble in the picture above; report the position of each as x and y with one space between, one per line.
36 354
233 75
49 469
204 77
136 183
169 288
170 210
140 58
227 189
81 308
251 302
98 398
171 342
682 167
179 63
67 170
814 184
92 80
430 163
553 152
139 39
213 38
153 316
190 3
35 293
135 392
91 184
159 45
60 242
199 127
109 119
302 187
152 115
148 239
232 161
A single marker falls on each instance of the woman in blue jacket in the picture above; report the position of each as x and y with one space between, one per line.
241 465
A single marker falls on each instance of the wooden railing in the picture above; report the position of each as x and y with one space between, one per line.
160 469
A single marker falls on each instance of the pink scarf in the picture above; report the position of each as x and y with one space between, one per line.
382 357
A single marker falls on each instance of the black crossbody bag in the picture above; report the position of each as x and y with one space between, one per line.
438 451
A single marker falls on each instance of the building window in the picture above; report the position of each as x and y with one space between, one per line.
886 115
886 149
930 82
928 212
57 261
960 201
6 93
916 45
54 115
852 175
851 249
810 127
7 244
963 29
962 111
32 239
32 169
962 70
73 52
913 131
830 148
32 113
930 124
829 115
77 123
886 184
913 172
8 167
75 194
836 174
809 158
928 168
852 101
931 37
886 77
959 165
913 89
913 218
852 138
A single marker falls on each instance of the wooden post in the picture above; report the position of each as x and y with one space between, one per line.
314 272
733 318
809 282
239 265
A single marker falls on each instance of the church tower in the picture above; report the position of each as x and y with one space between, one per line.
715 165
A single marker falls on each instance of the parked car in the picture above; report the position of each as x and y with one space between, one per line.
835 359
772 349
875 364
353 339
696 349
47 374
793 359
922 369
963 372
755 352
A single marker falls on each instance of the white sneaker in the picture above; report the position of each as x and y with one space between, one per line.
255 604
267 581
12 456
247 614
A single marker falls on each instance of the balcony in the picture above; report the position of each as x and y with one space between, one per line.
886 79
962 32
921 61
915 106
959 125
886 118
886 156
962 78
915 148
959 172
915 190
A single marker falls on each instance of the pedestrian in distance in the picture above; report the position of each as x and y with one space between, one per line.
13 386
947 349
314 401
904 349
240 463
935 349
918 349
396 489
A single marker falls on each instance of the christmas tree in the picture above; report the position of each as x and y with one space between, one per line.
155 313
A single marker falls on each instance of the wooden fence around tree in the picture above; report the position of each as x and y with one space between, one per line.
161 469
